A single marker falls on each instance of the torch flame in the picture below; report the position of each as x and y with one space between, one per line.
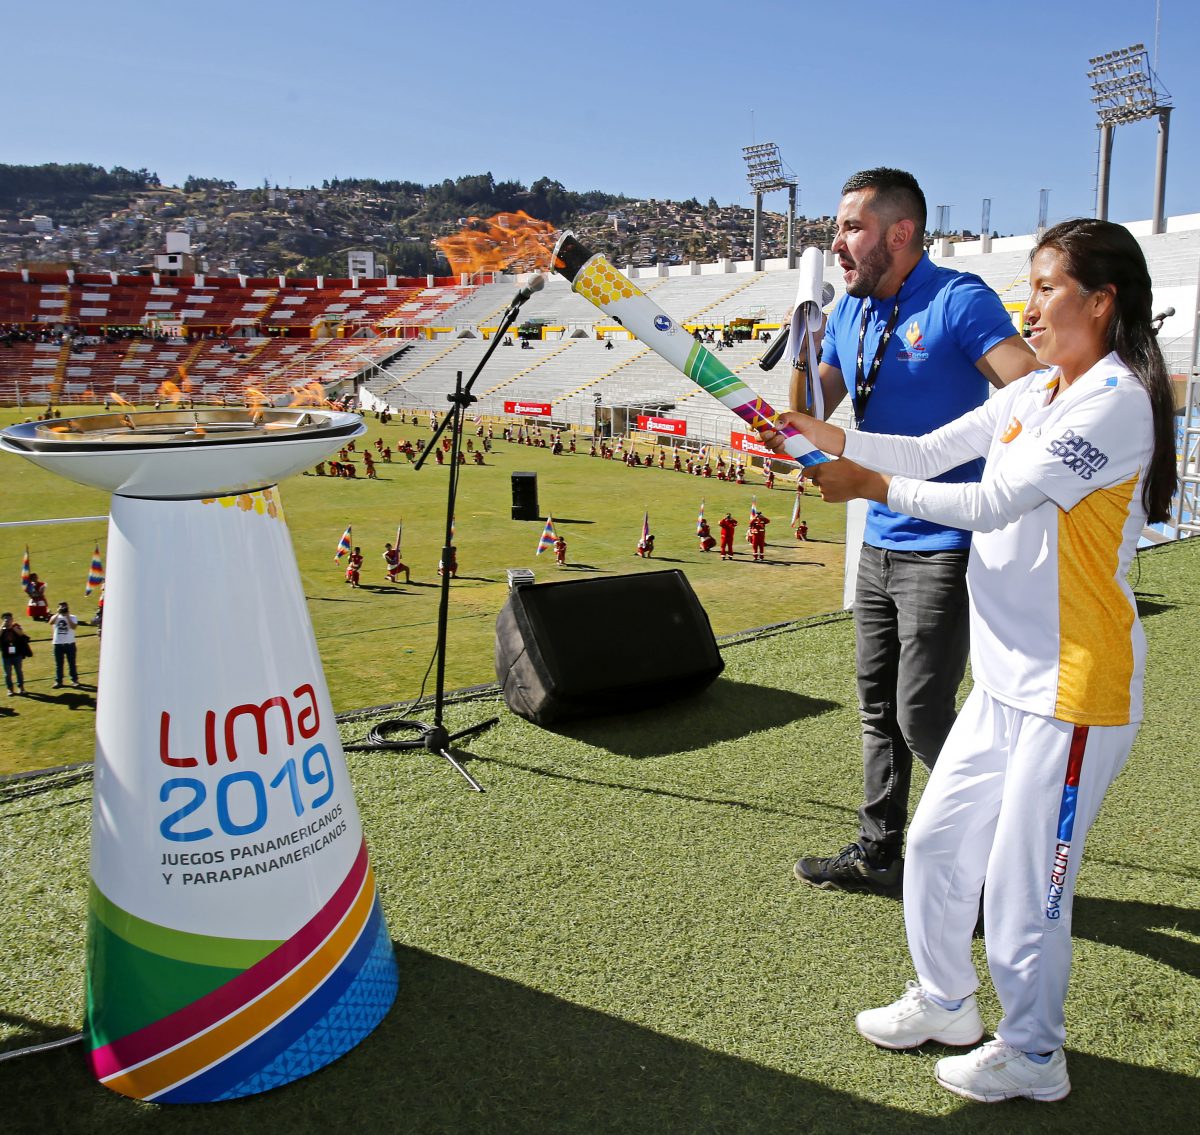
311 395
507 240
185 383
115 397
255 399
169 392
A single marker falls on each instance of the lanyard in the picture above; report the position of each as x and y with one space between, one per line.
864 385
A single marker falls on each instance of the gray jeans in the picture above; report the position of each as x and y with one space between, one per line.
912 638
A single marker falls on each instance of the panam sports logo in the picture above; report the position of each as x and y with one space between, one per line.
1078 454
916 344
662 323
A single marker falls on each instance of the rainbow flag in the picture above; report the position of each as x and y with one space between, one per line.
95 572
700 519
25 569
796 511
546 542
399 532
645 530
344 544
754 506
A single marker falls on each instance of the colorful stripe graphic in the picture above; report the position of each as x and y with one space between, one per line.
1061 865
268 1012
1070 796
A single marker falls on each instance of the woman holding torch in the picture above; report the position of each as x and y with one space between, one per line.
1079 456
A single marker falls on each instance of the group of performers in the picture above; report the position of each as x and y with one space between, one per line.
392 565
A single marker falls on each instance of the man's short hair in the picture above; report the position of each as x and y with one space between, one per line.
896 192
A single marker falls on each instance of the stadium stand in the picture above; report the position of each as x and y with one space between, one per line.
275 333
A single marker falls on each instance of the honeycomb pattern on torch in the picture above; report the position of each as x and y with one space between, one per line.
601 283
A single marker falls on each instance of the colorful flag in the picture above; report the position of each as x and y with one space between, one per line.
700 519
399 532
645 530
796 511
25 569
95 572
546 542
754 506
344 545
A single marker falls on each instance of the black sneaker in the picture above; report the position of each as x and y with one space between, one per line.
850 870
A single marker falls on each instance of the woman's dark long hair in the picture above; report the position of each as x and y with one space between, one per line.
1100 254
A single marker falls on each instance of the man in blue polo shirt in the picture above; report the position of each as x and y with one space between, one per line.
915 346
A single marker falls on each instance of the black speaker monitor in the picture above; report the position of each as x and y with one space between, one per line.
525 497
589 646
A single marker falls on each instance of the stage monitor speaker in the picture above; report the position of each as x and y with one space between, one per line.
591 646
525 497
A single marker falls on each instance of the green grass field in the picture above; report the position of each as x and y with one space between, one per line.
376 643
610 939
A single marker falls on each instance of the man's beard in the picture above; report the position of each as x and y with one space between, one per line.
870 270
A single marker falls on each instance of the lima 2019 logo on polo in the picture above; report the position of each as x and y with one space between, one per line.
916 352
662 323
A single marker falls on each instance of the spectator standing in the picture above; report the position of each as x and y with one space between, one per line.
62 627
14 649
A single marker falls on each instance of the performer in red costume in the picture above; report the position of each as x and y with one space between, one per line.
354 567
393 566
727 525
758 536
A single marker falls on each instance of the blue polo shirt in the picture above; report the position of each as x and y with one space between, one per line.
948 321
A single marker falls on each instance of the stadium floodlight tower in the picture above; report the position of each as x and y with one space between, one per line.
766 172
1126 89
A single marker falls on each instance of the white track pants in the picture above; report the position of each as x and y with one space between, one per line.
1009 802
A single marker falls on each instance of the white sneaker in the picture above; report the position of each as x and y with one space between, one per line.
996 1071
916 1019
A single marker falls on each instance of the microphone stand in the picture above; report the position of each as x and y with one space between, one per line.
434 736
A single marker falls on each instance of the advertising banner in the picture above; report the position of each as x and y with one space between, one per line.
749 443
675 426
528 409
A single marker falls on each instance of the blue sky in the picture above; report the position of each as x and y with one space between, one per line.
647 99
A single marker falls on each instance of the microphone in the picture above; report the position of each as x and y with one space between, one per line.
1156 321
535 284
